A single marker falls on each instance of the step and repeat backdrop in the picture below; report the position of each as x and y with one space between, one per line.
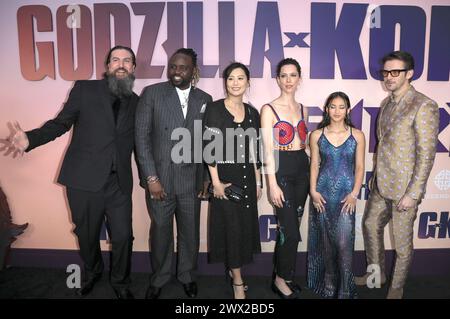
46 45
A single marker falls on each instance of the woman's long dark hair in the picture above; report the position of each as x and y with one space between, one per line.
326 118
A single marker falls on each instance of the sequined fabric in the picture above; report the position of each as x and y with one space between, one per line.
331 233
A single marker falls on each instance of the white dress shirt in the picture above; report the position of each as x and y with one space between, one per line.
183 95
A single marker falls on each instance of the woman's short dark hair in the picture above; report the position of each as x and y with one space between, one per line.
403 56
289 61
120 47
230 68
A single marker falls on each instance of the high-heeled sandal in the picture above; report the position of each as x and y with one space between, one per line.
239 285
229 274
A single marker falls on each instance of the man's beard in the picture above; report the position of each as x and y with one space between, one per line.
121 87
183 84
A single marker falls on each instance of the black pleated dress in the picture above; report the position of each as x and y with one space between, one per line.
233 227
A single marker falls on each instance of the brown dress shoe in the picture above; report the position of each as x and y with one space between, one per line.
395 293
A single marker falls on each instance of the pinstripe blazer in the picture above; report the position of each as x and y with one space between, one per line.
158 114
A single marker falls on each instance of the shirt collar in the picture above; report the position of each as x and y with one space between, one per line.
185 91
411 90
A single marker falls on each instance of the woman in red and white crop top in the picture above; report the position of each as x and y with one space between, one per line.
284 131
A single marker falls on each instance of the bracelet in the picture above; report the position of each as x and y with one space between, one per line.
152 179
353 196
258 184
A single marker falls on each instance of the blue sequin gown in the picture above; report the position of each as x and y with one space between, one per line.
331 234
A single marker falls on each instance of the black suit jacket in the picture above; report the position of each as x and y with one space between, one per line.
158 116
97 141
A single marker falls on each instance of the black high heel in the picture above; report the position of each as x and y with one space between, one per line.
229 275
277 290
294 287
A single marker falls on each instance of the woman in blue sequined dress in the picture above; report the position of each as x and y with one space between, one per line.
337 169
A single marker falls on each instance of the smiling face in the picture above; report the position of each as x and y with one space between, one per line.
180 71
237 82
400 82
289 79
120 64
337 109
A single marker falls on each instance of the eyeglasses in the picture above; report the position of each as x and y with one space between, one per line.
393 73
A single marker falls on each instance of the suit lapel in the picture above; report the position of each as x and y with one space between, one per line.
398 114
193 106
381 120
173 104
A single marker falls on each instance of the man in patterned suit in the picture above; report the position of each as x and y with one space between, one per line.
407 134
172 188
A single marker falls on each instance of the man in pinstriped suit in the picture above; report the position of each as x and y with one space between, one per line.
172 188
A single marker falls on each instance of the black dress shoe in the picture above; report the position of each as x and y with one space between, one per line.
152 292
88 285
276 290
191 289
294 287
124 293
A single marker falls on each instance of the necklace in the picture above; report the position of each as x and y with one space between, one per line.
186 98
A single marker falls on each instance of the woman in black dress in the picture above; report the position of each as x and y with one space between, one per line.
231 152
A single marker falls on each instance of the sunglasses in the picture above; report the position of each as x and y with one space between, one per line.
393 73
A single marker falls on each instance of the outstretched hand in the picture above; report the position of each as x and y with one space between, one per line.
17 141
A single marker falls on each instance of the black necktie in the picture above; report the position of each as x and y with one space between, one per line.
116 107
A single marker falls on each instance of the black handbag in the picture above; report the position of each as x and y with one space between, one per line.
233 192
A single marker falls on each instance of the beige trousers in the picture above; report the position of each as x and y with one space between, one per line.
379 211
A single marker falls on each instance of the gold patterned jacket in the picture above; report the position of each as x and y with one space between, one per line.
407 136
